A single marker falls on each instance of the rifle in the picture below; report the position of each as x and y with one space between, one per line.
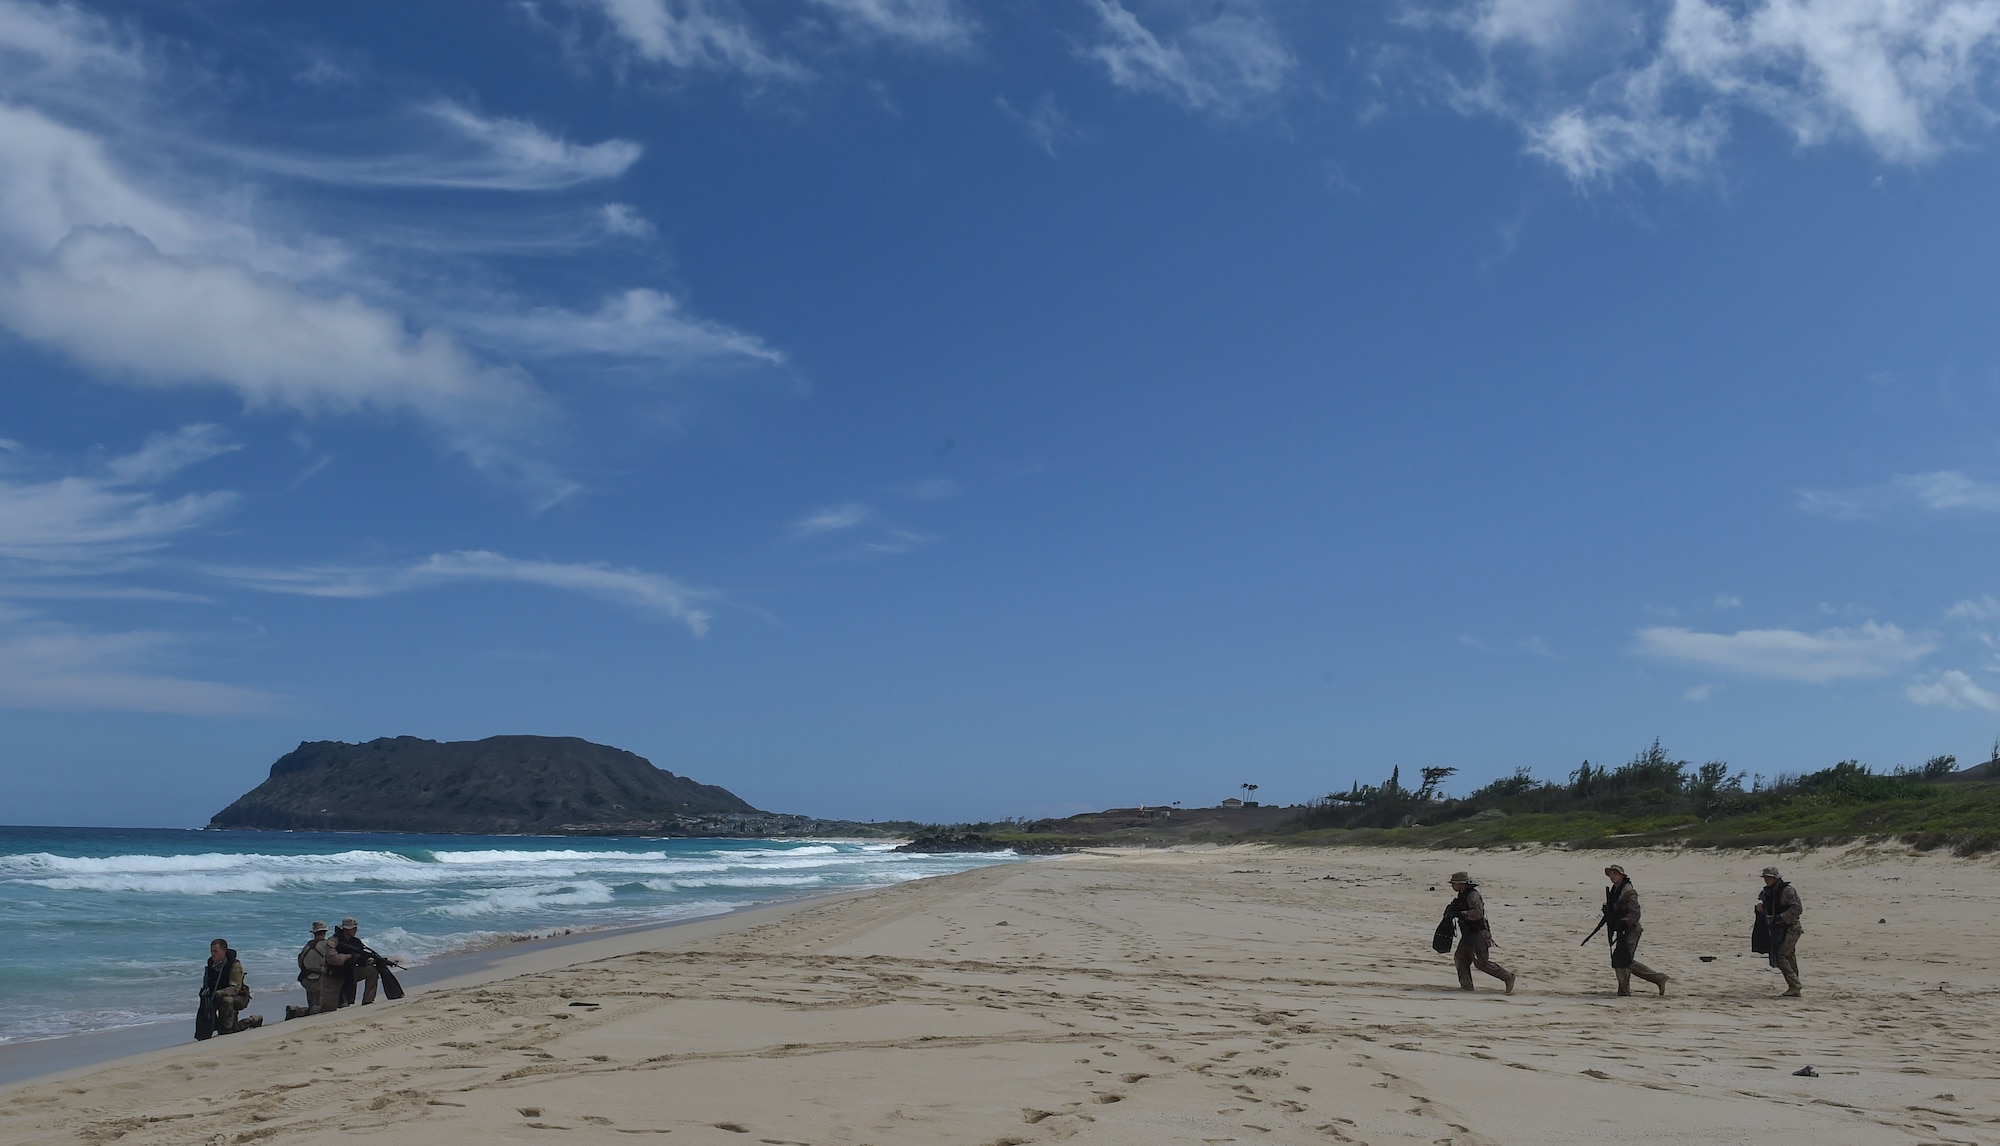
390 987
1606 918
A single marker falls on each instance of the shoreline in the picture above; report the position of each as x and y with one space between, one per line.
32 1061
1217 994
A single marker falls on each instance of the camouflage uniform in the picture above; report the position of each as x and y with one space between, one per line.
1779 904
322 970
1621 906
1475 936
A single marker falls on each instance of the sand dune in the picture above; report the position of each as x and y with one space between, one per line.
1201 996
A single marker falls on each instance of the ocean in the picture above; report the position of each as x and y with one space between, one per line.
108 927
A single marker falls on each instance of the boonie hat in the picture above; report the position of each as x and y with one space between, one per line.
1773 873
350 921
1459 877
1615 867
319 925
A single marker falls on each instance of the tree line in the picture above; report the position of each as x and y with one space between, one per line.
1651 783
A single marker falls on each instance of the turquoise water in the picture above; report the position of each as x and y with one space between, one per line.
107 927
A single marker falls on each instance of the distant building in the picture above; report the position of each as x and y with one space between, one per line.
1232 802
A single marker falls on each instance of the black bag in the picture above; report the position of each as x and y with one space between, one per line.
1441 940
1623 951
1760 938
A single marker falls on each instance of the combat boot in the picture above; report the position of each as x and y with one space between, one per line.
1510 982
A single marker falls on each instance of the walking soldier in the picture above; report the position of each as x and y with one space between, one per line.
1621 914
1475 934
1778 912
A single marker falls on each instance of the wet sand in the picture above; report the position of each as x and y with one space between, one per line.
1211 995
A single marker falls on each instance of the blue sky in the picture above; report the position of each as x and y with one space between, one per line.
940 409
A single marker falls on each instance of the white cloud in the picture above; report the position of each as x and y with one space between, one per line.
695 35
55 179
1045 123
1940 491
47 666
832 519
459 148
1953 689
1699 693
1948 489
1225 64
164 455
128 248
143 290
1544 25
1540 648
1728 601
112 300
1985 608
62 39
634 324
937 25
892 542
649 593
1866 650
1472 642
520 155
88 521
1602 86
623 219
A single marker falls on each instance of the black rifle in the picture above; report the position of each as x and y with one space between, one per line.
1600 926
390 987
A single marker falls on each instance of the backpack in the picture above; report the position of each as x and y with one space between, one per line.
312 960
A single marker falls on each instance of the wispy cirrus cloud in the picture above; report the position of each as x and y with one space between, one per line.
1602 87
1865 650
832 519
1540 648
448 145
934 25
727 38
633 324
696 35
84 522
863 532
1940 491
650 593
1044 124
1223 61
47 666
139 257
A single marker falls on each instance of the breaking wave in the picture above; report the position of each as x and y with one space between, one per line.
71 902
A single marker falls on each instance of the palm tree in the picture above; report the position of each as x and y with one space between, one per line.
1248 791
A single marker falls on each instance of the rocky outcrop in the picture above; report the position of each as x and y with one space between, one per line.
499 785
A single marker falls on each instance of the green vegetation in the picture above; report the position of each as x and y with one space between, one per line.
1655 799
1651 799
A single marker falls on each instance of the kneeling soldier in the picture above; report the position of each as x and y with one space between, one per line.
1475 934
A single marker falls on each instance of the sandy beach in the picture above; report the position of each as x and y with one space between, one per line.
1202 995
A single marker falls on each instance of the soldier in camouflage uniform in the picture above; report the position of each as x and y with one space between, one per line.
1779 910
1621 912
1475 934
